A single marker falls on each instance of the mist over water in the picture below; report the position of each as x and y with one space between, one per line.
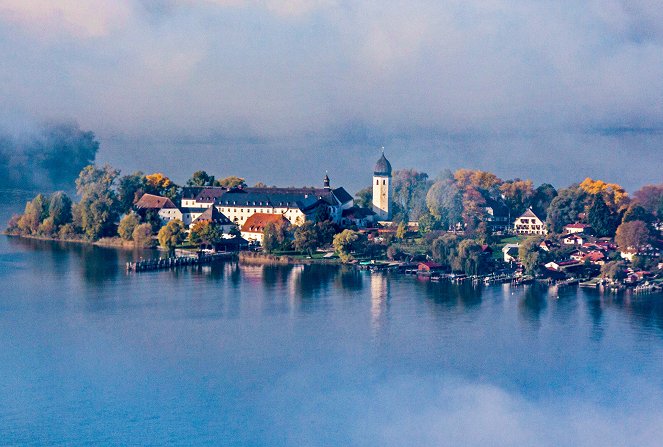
49 156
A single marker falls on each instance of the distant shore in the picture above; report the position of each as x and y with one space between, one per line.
114 242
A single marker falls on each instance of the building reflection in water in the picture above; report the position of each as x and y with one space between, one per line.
380 297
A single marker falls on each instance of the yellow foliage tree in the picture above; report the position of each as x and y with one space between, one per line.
614 194
158 181
466 178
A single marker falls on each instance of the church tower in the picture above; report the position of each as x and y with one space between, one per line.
382 188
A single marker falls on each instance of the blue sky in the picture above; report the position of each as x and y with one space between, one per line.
552 90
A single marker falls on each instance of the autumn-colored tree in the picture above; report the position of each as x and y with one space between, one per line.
205 233
344 244
517 195
651 199
142 236
172 234
479 180
231 182
614 195
127 226
632 235
161 185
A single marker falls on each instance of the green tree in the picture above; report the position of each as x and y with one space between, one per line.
276 236
307 238
98 207
401 231
142 236
635 211
59 208
543 196
410 188
444 249
445 200
530 254
614 270
603 221
344 243
565 208
127 226
130 188
47 227
471 258
172 234
206 233
35 212
364 197
200 178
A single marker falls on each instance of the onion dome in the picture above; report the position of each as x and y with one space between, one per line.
382 167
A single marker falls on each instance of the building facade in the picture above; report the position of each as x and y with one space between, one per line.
529 223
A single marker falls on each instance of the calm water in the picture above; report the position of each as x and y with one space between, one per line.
297 356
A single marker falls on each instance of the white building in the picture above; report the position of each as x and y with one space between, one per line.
382 194
529 224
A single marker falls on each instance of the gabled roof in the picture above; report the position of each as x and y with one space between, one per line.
190 192
210 194
150 201
257 222
342 195
580 226
211 214
529 213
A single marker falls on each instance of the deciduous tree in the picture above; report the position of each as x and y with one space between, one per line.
127 226
172 234
632 235
142 236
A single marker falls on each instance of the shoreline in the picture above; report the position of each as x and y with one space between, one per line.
103 242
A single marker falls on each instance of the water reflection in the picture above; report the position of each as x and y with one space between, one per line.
532 305
380 298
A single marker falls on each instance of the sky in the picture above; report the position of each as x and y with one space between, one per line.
282 91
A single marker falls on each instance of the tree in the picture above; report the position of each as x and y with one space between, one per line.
635 211
276 236
161 185
59 208
172 234
47 227
479 180
142 236
565 208
471 258
234 231
306 238
127 226
614 270
364 197
517 195
603 220
530 254
445 200
98 208
326 231
35 212
231 182
200 178
401 231
632 235
543 196
130 188
410 188
444 249
205 233
344 244
651 199
614 195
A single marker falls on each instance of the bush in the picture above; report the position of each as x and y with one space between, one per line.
142 235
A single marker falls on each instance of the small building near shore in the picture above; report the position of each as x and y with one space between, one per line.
255 225
162 206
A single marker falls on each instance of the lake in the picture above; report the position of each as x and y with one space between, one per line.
250 355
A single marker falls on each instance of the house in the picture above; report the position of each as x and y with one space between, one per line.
573 239
212 215
577 228
528 223
577 255
595 257
189 194
429 267
232 244
191 214
359 217
510 252
255 225
562 266
548 245
163 206
496 215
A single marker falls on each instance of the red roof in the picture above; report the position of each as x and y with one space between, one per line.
257 222
577 225
150 201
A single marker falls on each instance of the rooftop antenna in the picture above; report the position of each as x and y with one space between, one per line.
383 150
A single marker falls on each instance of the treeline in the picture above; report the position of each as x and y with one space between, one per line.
104 197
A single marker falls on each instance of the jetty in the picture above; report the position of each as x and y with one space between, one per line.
201 258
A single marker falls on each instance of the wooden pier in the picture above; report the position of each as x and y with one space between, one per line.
144 265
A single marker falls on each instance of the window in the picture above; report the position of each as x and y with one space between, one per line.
377 182
384 182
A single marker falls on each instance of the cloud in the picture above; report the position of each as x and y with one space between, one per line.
89 18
